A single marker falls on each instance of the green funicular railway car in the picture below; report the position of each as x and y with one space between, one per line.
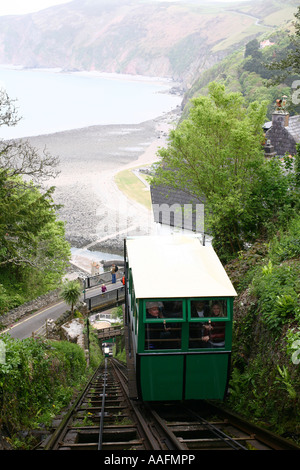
107 348
179 307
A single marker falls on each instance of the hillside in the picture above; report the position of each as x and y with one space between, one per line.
147 37
245 71
265 370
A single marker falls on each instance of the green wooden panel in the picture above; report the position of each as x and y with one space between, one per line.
161 377
206 376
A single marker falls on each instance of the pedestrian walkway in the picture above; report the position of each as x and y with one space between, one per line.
113 297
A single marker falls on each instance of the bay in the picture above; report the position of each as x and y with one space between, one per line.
50 101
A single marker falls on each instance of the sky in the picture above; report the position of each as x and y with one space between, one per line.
20 7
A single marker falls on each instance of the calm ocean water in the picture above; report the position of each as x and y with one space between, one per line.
50 101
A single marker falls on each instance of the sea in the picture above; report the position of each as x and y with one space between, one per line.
51 100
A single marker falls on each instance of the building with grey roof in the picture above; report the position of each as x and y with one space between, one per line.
178 208
282 134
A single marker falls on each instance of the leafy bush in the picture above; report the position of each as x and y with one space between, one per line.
265 380
277 284
287 244
276 290
293 344
36 379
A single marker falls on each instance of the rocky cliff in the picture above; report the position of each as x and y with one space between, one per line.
147 37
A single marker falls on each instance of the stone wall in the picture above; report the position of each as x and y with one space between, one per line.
280 135
30 307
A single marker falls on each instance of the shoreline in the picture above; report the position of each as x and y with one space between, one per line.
102 99
94 73
96 213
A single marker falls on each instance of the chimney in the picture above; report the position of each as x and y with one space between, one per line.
269 150
280 117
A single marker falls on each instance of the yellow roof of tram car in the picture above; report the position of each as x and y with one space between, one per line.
176 266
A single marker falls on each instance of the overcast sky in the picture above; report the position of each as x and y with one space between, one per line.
19 7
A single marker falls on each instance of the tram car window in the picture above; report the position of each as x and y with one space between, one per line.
160 331
206 331
180 331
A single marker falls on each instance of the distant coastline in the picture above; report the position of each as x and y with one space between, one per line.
96 213
55 100
94 73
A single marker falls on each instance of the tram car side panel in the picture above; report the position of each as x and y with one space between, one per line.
160 377
174 363
132 307
207 376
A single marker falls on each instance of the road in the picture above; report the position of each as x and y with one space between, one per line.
24 328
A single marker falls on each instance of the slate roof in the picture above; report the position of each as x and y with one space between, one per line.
283 138
164 204
294 128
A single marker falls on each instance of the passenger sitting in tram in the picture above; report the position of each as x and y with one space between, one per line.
200 309
215 331
153 310
156 334
208 334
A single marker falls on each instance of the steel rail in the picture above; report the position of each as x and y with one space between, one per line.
53 441
218 432
102 407
177 445
262 435
142 424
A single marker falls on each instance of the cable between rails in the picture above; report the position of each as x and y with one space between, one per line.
102 407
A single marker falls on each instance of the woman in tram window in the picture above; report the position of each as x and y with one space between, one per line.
214 334
153 331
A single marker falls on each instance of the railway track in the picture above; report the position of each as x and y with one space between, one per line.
104 418
203 426
101 418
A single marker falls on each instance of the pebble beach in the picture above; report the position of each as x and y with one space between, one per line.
96 213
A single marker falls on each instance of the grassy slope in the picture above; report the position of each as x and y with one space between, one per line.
133 188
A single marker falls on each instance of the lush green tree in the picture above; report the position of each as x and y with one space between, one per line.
252 49
24 212
217 153
33 249
289 64
71 292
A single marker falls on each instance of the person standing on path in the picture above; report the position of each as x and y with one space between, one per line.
113 274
